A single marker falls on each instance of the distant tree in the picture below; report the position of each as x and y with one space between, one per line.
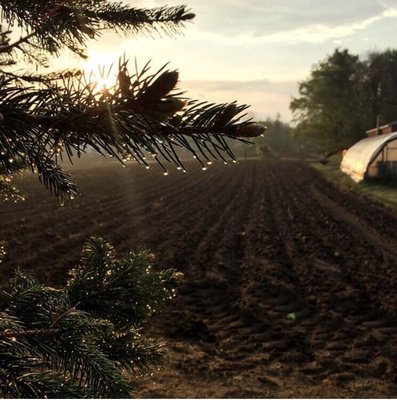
278 135
381 82
77 341
331 109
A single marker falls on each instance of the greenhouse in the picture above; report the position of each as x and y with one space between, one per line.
374 157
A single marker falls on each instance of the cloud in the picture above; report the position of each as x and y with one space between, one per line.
314 33
266 98
265 17
239 22
255 51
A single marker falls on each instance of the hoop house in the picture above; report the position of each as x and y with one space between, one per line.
374 157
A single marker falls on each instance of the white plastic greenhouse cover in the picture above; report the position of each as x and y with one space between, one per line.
358 158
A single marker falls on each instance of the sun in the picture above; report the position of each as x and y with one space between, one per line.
100 68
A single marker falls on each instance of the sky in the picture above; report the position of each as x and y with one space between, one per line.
256 51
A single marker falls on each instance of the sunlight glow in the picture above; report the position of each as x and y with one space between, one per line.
101 68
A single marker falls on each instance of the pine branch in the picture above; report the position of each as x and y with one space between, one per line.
8 192
136 354
123 291
54 25
3 250
49 336
142 113
17 43
34 78
20 382
10 334
91 367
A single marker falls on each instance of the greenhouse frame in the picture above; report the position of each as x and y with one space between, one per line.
374 157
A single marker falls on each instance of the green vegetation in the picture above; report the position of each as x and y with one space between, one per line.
291 316
78 340
277 140
278 135
343 97
384 192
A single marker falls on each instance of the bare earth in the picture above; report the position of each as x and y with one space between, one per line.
290 286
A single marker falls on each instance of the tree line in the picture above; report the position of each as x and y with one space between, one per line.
343 97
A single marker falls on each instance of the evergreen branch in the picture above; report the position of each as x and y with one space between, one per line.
123 291
16 44
3 250
48 384
84 345
54 177
134 353
9 334
57 25
91 367
139 114
22 353
9 322
21 382
30 78
125 18
8 192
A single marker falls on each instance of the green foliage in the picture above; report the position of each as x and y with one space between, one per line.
331 109
8 192
52 25
384 192
381 85
100 277
76 341
343 98
278 136
291 316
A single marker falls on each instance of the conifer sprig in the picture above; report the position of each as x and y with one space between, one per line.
52 25
142 115
74 341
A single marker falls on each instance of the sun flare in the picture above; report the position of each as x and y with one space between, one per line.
100 68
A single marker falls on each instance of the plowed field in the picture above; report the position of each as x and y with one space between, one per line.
290 286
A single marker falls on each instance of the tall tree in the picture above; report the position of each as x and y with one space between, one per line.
382 85
331 108
76 341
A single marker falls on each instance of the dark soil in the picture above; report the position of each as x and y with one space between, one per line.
290 286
